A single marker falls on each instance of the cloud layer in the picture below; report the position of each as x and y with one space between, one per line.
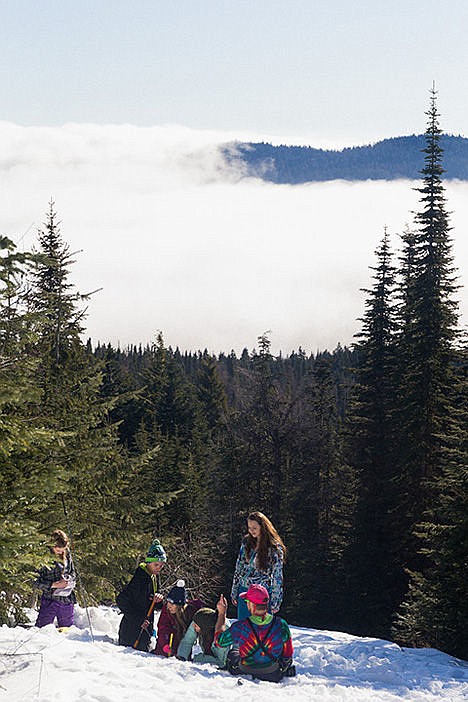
180 244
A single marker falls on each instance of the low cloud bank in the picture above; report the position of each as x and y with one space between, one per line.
180 242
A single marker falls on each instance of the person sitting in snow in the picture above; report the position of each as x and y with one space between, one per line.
175 618
140 598
202 629
57 582
261 643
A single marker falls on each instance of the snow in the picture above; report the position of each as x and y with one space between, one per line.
49 666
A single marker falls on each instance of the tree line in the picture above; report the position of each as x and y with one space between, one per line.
358 455
389 159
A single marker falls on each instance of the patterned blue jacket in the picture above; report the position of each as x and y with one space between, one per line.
247 573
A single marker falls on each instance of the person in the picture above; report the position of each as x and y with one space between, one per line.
139 598
57 583
261 643
202 629
260 562
174 620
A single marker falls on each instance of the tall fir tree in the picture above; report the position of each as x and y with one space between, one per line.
375 579
85 469
23 436
431 456
428 333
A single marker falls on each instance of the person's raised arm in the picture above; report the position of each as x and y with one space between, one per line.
221 606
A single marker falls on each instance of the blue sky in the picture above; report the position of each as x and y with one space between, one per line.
175 239
329 69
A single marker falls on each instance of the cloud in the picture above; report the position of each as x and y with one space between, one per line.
180 244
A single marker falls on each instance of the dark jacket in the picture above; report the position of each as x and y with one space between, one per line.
134 601
167 626
57 571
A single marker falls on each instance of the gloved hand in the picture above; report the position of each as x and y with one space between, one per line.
167 650
289 672
287 667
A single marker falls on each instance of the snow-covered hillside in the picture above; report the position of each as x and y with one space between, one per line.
48 666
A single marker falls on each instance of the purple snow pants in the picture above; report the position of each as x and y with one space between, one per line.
50 609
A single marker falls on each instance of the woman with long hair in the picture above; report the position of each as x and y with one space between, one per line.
260 562
176 617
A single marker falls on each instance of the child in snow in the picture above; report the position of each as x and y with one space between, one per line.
57 582
140 598
261 643
260 562
174 620
203 629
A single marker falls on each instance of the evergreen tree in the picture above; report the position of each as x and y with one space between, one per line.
178 428
374 574
433 453
260 429
83 470
320 505
435 611
22 436
428 334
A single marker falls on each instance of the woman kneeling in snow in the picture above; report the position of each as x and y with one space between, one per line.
203 629
176 616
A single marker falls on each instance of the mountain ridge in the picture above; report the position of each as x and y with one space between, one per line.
389 159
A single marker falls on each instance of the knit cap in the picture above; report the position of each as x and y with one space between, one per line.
156 553
178 594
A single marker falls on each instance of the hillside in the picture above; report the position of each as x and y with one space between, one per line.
390 159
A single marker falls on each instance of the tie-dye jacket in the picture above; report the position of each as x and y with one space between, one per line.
246 573
276 640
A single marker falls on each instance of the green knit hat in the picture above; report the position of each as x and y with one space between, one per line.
156 553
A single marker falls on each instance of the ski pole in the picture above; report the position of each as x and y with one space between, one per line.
170 644
143 628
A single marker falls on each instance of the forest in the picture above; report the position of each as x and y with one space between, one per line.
358 455
398 157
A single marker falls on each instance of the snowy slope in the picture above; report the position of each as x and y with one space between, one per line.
49 666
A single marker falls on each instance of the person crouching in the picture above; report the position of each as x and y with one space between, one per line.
202 629
139 598
176 616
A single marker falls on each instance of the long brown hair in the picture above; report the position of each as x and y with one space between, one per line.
60 540
181 622
268 541
205 618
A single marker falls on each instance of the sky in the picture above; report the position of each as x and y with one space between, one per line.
336 70
116 112
44 665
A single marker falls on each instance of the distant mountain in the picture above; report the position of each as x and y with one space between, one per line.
399 157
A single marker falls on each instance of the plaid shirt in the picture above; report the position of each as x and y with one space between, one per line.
58 571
